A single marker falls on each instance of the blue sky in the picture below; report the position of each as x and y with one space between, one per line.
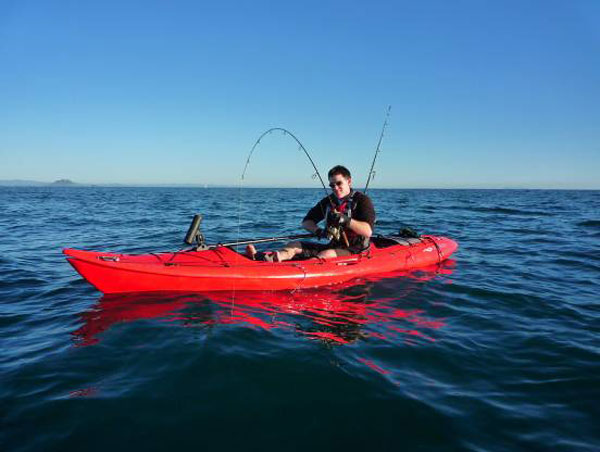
483 93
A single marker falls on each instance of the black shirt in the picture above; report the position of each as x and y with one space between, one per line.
361 209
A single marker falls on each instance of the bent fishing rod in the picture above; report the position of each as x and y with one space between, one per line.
301 146
285 132
371 171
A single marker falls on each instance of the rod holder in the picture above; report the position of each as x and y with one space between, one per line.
194 235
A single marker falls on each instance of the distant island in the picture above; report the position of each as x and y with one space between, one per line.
63 182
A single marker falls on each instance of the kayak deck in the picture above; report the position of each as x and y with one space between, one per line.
222 268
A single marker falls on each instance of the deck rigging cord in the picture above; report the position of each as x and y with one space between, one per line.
371 171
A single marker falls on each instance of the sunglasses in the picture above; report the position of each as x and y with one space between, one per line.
339 183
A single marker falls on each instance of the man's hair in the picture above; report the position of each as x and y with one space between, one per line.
339 169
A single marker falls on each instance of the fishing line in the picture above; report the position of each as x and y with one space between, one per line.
371 172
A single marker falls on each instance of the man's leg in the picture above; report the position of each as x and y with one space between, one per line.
289 251
309 249
333 252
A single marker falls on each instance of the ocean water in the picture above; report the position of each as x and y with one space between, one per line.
497 349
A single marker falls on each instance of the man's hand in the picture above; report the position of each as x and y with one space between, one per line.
339 219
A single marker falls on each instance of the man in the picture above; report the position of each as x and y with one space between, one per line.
346 211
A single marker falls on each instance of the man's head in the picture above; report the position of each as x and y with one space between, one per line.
340 181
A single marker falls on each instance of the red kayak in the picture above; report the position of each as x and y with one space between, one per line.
222 268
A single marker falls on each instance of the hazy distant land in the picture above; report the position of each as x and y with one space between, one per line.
35 183
70 183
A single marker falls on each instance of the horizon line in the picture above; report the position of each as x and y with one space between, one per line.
60 183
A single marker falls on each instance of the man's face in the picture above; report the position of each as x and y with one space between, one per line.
340 185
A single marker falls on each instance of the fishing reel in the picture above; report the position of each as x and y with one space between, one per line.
334 233
194 236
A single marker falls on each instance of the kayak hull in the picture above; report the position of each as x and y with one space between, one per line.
222 268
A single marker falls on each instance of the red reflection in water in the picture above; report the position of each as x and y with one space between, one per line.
84 392
374 366
339 314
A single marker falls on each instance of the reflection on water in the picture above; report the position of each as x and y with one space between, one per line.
339 314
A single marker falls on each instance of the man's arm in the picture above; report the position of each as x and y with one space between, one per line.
315 216
310 225
360 227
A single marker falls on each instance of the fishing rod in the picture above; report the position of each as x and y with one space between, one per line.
287 132
264 240
371 172
195 237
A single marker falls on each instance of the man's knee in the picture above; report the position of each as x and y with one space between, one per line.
327 254
295 246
